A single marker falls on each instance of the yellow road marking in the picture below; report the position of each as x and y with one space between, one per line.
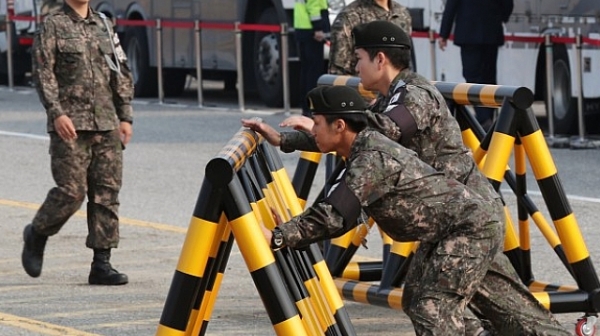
40 327
52 329
82 214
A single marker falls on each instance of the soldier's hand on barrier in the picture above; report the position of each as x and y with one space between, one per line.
299 123
269 133
63 125
267 233
276 217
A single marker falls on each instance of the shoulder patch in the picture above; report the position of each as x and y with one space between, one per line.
394 98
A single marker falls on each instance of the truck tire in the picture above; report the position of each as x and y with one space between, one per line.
267 63
136 47
565 106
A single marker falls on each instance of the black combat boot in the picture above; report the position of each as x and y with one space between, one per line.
33 251
102 272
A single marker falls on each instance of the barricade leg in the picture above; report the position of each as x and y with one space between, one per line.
564 220
261 209
259 259
319 271
193 261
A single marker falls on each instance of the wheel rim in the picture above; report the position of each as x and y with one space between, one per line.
562 89
268 59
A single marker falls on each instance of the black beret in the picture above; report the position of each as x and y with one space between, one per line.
336 99
380 34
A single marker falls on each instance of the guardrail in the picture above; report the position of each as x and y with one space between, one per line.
238 28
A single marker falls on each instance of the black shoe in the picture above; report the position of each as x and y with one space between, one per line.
33 251
102 272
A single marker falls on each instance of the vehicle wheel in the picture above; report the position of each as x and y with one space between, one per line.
267 63
174 82
136 47
582 328
565 106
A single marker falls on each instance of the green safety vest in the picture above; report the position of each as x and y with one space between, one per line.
306 11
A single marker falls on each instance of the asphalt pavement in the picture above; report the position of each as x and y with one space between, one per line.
164 170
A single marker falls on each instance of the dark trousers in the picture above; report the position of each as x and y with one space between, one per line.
479 66
311 64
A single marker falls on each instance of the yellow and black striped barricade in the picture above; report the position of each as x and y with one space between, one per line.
526 206
316 275
517 121
295 285
304 175
222 190
291 267
191 277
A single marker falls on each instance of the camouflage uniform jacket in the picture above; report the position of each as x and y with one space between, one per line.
437 142
342 60
72 75
407 198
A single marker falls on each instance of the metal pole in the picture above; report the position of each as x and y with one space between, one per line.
285 67
580 87
432 50
161 92
198 47
10 11
240 70
549 86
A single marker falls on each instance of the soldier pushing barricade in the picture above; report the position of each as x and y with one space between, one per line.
460 258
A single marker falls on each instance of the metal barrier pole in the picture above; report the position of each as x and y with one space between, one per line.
432 50
10 11
198 49
549 86
238 62
580 87
285 67
161 92
580 142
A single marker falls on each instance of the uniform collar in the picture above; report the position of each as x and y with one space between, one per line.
74 16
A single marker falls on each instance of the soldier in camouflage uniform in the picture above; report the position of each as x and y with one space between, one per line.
342 60
86 87
415 114
461 231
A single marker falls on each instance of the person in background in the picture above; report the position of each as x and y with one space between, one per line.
311 30
479 33
342 60
85 85
461 232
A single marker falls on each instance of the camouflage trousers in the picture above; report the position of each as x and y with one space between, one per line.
446 277
89 166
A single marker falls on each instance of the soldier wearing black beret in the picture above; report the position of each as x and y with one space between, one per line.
380 34
335 100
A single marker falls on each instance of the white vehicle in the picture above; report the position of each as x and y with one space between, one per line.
524 64
261 55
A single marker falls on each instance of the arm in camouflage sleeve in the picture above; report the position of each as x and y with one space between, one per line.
43 60
366 179
384 125
320 221
341 50
122 84
298 140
